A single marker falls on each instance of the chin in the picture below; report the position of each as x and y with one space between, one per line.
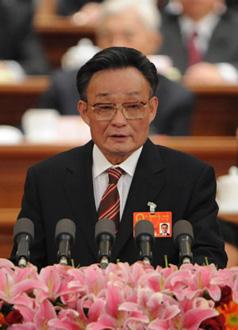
118 154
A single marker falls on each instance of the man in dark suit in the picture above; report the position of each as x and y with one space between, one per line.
131 24
17 39
118 102
232 4
207 28
69 7
174 110
164 229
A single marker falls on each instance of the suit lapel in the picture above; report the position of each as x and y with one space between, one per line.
146 186
219 42
79 191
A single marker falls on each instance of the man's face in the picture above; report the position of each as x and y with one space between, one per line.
126 29
197 9
119 137
164 228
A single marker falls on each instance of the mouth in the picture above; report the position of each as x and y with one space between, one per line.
118 136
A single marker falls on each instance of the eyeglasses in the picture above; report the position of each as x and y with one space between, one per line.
130 110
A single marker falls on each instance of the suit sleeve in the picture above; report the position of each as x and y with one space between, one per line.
31 209
202 212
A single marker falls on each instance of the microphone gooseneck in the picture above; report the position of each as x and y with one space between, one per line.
105 232
183 238
23 235
144 235
65 236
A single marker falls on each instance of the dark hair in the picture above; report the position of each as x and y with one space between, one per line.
116 58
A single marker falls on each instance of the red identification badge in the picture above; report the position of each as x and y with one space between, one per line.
162 222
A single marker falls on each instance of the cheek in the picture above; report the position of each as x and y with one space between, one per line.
98 130
140 129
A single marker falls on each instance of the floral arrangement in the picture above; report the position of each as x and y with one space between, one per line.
119 297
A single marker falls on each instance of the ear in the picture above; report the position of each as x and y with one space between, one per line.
83 111
153 102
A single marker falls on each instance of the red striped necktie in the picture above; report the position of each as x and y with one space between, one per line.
194 54
110 203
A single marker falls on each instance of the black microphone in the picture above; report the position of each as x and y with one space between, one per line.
105 233
183 238
144 235
23 235
64 236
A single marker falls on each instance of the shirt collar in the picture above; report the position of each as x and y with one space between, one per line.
203 27
101 164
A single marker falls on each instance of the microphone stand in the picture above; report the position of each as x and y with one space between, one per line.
186 255
105 250
146 252
23 251
22 262
104 262
64 253
146 261
186 260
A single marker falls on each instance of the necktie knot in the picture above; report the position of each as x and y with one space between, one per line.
194 53
194 35
114 174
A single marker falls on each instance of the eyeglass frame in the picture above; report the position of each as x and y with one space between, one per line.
118 106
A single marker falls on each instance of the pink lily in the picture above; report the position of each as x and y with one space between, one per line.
14 292
54 281
42 316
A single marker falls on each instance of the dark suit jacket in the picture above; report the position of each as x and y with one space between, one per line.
62 187
223 45
17 39
68 7
175 102
232 4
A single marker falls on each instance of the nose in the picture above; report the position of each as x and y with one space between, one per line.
119 118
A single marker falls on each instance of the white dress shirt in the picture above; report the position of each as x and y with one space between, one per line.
100 175
204 29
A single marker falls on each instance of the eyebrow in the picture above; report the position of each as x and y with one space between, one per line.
103 94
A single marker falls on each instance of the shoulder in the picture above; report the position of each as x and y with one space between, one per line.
169 154
167 87
185 170
67 159
20 13
64 77
181 164
231 16
169 21
168 17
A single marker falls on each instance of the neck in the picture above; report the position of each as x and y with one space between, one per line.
116 160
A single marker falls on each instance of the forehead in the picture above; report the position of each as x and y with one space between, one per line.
128 20
118 82
198 3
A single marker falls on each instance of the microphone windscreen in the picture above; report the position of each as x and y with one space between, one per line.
144 227
182 227
23 226
65 226
105 226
